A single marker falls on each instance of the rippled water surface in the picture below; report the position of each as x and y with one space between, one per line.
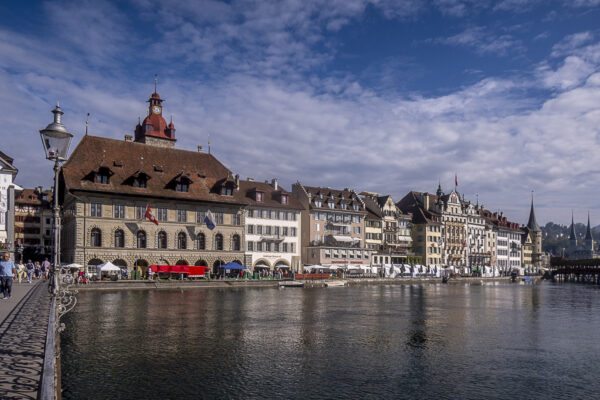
502 341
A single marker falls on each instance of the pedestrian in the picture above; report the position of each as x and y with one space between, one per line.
46 267
29 269
20 271
7 271
37 270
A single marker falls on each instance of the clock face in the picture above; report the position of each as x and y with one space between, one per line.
156 109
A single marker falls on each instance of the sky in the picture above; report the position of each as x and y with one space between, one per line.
375 95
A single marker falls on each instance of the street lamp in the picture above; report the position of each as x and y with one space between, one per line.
56 140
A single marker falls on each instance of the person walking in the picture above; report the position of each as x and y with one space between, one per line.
29 268
20 271
37 269
7 271
46 267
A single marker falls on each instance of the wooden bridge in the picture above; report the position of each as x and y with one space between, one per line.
583 270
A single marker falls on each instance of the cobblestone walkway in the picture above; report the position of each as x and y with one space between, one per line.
22 343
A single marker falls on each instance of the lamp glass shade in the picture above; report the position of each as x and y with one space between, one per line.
56 143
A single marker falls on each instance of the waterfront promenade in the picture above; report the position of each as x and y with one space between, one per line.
23 327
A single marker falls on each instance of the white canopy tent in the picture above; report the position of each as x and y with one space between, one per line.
108 267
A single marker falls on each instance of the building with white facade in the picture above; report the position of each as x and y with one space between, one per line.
272 222
7 203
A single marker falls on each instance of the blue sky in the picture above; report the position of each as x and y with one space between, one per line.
376 95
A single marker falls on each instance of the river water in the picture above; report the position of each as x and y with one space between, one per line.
455 341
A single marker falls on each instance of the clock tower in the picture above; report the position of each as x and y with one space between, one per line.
154 129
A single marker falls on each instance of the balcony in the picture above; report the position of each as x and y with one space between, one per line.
272 238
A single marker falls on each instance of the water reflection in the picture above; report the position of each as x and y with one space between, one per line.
405 341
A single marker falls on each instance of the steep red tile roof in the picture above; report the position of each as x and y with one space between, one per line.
163 165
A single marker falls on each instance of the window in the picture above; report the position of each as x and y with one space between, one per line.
292 231
141 240
251 213
344 206
162 240
162 214
227 190
284 247
317 227
102 176
218 241
119 238
181 241
182 186
284 231
140 181
260 196
96 238
235 243
284 199
277 214
250 229
181 216
276 230
259 246
267 214
267 230
237 219
139 212
200 215
250 246
96 210
200 241
267 246
218 218
331 205
276 247
119 211
356 207
318 203
259 229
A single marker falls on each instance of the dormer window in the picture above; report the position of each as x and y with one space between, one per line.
321 195
259 196
342 196
344 206
182 186
318 203
309 194
284 199
356 207
330 204
140 181
102 176
227 189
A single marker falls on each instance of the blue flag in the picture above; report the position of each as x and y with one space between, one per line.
210 221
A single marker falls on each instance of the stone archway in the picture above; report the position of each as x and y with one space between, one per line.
182 262
201 263
119 262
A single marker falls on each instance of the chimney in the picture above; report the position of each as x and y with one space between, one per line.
426 200
128 138
199 149
275 184
237 179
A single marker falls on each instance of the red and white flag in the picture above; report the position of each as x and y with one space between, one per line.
150 216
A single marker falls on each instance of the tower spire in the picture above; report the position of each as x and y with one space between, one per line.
532 224
572 235
155 82
588 233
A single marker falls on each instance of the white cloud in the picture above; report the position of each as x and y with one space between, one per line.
483 41
571 42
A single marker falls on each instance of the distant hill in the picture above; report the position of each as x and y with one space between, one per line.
556 237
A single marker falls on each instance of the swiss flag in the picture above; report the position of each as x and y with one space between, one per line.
150 216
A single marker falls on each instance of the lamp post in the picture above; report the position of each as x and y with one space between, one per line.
56 141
